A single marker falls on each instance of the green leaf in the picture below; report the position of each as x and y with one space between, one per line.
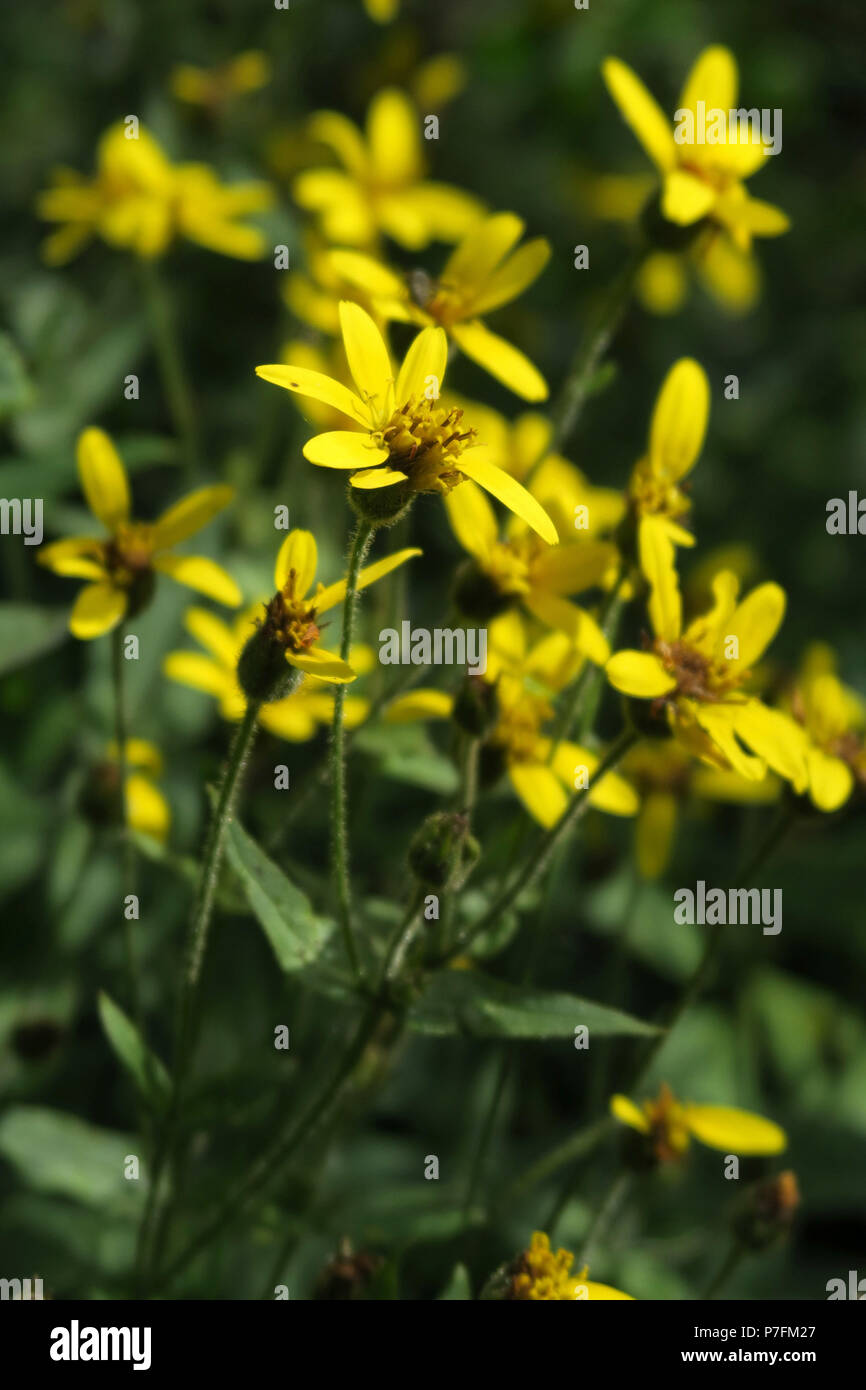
458 1285
27 631
296 934
57 1152
16 391
465 1001
145 1068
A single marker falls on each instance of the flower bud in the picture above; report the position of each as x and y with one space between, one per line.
476 595
476 708
263 672
766 1211
441 848
381 506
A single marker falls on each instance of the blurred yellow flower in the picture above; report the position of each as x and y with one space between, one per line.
539 1275
483 273
313 295
381 186
669 1125
138 201
700 180
383 11
213 87
122 567
147 810
296 717
699 676
403 438
833 720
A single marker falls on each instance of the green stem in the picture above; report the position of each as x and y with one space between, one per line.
575 1147
596 341
128 850
604 1214
339 838
195 953
536 862
726 1269
175 381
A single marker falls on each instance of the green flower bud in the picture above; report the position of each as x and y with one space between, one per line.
441 848
381 506
476 708
264 674
766 1211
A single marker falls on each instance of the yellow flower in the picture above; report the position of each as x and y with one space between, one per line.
138 201
403 438
699 676
381 186
833 719
122 566
292 616
664 775
213 87
676 435
296 717
700 180
483 273
543 771
147 810
669 1125
540 1275
314 295
383 11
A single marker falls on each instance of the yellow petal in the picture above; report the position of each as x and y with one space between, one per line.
754 623
202 574
367 273
641 111
482 250
341 135
419 704
612 793
659 566
190 514
344 449
213 634
140 752
512 278
712 80
567 569
319 387
146 808
98 608
679 420
325 666
377 477
393 137
718 721
831 781
103 478
580 628
540 790
368 360
73 558
655 831
685 198
503 361
289 718
475 464
423 369
200 672
472 518
629 1114
335 593
596 1293
734 1131
298 552
640 674
756 217
775 738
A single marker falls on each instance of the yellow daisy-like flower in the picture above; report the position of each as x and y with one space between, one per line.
833 719
700 180
540 1275
147 810
483 273
699 675
122 567
543 772
403 437
214 87
296 717
668 1126
381 186
138 201
292 616
664 775
676 436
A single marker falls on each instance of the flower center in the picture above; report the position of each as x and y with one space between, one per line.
130 551
519 727
291 620
425 441
508 565
653 496
697 677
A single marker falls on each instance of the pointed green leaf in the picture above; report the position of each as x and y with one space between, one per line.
145 1068
466 1001
296 934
